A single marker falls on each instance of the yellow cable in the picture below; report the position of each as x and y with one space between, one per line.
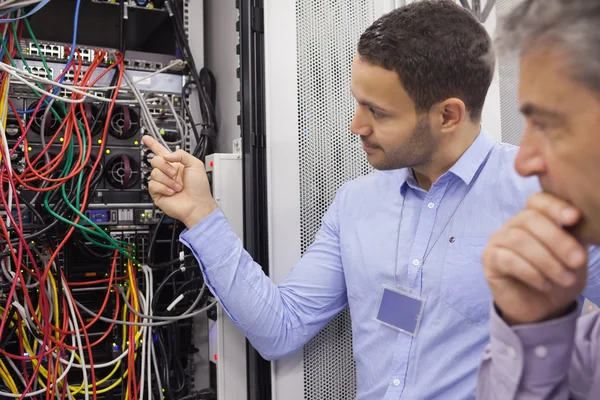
8 378
44 372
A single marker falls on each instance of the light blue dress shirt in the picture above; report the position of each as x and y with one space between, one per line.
354 255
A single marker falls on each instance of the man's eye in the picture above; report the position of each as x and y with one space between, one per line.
376 114
539 125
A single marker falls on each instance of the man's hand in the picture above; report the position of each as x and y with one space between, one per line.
179 185
534 267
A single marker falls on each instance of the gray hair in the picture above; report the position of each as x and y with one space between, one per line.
572 26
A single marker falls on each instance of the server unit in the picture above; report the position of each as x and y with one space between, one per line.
88 156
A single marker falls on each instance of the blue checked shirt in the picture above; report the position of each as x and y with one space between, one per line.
354 255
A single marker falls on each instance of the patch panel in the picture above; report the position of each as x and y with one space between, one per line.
47 50
54 52
140 64
42 72
69 75
155 5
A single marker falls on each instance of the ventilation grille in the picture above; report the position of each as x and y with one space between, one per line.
327 33
513 123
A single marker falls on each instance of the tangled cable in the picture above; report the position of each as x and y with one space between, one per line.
56 330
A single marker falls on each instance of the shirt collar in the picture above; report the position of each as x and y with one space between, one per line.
467 165
465 168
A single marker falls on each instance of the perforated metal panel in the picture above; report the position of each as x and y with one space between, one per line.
511 119
327 33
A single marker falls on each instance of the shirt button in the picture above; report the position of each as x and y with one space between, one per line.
512 353
396 382
416 262
430 205
541 351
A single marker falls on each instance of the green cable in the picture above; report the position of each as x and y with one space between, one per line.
115 244
40 52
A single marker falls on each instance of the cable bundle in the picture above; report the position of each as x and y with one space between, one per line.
59 322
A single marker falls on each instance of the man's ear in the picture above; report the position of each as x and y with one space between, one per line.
452 112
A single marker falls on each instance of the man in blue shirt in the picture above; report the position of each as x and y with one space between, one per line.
402 246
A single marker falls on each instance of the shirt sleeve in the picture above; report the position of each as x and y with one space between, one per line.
276 320
592 289
550 360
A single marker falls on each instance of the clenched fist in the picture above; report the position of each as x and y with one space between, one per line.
179 185
535 268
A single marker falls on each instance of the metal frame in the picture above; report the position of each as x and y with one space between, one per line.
193 10
252 121
226 343
283 165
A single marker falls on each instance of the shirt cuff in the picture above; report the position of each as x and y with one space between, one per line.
537 353
210 239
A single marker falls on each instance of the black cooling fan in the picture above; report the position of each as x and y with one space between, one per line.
51 124
124 122
122 172
91 113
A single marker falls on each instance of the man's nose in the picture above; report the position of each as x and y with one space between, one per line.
529 160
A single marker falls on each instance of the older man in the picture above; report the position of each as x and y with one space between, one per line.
536 263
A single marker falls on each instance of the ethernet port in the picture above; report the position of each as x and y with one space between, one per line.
91 113
50 126
124 122
122 171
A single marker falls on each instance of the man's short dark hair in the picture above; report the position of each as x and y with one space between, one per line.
438 49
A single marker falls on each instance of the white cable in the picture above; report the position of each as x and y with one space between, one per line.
77 335
47 81
150 343
174 303
58 380
78 89
15 73
5 68
146 116
8 4
146 359
7 160
156 371
182 132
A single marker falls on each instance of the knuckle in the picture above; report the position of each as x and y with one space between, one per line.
515 237
527 216
155 161
501 258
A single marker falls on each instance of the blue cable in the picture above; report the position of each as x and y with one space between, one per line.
73 44
2 49
33 11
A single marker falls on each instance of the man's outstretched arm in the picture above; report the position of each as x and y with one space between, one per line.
277 320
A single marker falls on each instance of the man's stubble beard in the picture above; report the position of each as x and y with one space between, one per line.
416 150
